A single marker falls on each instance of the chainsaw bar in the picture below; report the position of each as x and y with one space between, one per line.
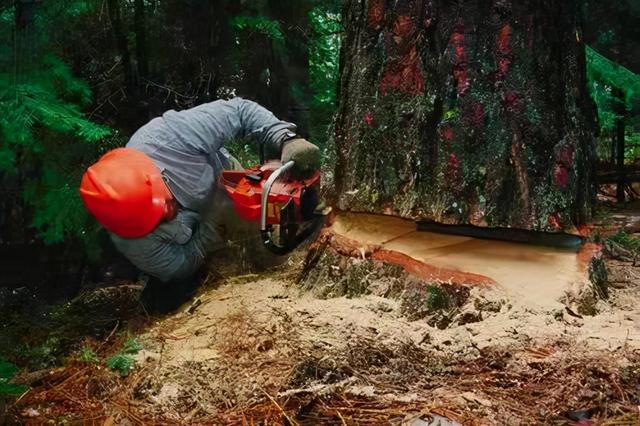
541 238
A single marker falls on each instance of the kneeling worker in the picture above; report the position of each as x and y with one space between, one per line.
157 196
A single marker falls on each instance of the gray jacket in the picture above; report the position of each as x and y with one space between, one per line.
188 147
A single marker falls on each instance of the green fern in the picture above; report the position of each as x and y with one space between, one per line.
132 346
88 355
121 363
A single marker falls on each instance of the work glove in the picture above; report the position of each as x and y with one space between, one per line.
305 155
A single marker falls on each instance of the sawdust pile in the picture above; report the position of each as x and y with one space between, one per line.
258 349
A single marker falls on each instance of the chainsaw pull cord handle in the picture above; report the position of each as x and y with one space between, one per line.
266 189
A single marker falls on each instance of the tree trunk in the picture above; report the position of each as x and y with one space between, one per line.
120 36
619 143
141 39
25 51
464 112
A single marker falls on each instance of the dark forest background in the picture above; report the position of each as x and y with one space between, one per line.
77 77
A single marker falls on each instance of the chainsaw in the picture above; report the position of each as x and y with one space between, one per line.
287 209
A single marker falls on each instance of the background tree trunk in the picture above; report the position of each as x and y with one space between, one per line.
619 143
115 17
141 39
464 112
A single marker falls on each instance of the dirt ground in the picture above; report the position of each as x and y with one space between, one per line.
258 349
262 349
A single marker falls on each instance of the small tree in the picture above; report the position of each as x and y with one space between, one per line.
46 140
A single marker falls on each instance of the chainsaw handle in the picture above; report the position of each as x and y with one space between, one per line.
266 189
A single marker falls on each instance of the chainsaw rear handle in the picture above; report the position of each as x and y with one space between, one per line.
265 232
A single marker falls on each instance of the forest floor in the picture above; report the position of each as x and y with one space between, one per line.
259 349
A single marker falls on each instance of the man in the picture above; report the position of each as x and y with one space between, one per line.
157 196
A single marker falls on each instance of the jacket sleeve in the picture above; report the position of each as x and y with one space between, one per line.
175 249
262 125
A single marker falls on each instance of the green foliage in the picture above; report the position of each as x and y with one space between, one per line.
606 104
612 74
632 145
132 346
324 53
45 138
604 78
626 241
7 371
121 363
261 24
41 356
244 150
88 355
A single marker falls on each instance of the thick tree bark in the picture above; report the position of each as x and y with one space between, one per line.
465 112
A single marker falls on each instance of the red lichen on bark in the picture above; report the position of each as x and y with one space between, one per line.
564 161
565 156
503 51
473 114
368 119
375 13
460 59
504 38
446 133
561 176
402 27
452 176
404 75
554 221
512 101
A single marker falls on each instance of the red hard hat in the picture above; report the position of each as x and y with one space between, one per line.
125 192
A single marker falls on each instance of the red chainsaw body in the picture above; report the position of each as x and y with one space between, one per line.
244 187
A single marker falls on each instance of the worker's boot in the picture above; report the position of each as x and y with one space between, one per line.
162 297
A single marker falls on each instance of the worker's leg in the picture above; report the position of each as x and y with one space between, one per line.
209 235
163 297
